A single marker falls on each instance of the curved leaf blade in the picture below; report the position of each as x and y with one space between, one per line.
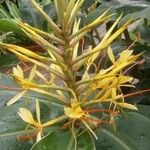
64 140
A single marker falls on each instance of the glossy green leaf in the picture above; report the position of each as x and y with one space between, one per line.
11 126
132 132
134 8
30 14
144 13
8 25
144 32
6 83
8 60
64 140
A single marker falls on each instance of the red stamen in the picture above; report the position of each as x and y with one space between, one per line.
10 88
27 68
94 120
136 93
100 110
137 63
26 137
138 35
132 44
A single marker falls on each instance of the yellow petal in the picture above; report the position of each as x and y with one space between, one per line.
74 111
38 111
25 51
40 75
55 120
125 55
75 29
32 73
26 115
104 83
114 92
111 55
17 97
126 105
57 97
125 79
18 72
26 83
38 137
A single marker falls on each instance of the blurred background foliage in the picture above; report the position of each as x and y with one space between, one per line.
138 32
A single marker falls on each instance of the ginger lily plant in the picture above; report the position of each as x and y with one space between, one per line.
81 98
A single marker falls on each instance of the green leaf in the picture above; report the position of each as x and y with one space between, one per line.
5 94
63 140
144 32
30 14
132 132
145 13
45 2
8 25
14 11
4 13
8 60
12 126
88 3
135 9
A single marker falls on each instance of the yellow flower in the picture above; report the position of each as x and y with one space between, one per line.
26 84
18 75
18 72
126 58
27 116
74 111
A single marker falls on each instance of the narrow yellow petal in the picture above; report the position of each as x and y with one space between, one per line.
125 55
38 136
38 111
125 79
32 73
57 97
111 55
18 72
56 120
75 29
128 106
40 75
16 98
114 92
26 115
